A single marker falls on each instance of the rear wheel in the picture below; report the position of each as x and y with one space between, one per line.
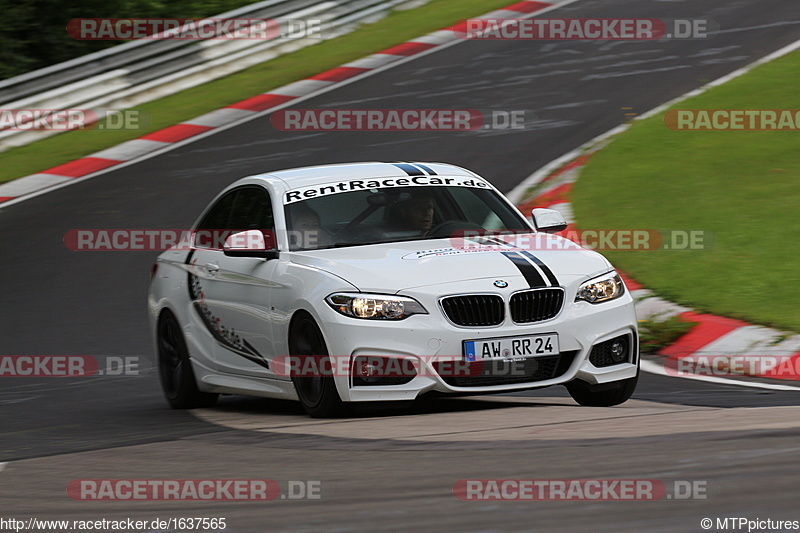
175 369
317 393
604 394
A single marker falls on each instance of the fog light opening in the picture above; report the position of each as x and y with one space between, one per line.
619 351
368 370
611 352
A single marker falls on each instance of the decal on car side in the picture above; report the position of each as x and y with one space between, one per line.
225 336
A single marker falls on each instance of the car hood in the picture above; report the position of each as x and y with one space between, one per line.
393 267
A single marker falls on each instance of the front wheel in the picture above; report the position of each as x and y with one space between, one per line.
317 393
175 368
604 394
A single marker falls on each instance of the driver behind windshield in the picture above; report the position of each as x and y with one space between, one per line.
414 213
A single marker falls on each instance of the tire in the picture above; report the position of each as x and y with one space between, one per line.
602 395
317 394
175 369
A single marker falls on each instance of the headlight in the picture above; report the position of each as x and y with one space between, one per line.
375 306
601 289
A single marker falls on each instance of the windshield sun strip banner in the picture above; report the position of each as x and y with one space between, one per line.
336 187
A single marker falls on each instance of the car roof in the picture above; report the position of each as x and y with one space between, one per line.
315 175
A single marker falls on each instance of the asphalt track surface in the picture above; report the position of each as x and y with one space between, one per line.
383 470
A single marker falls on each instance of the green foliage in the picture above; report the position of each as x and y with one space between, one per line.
398 27
741 188
33 34
657 334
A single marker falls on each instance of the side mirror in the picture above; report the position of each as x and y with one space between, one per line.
548 220
249 243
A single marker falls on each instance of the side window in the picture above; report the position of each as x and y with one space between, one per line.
220 214
252 210
241 209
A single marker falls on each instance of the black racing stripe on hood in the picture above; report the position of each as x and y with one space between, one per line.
528 271
545 268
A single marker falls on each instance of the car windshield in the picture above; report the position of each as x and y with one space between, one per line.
394 214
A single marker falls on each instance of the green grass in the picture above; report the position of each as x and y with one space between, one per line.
742 188
657 334
398 27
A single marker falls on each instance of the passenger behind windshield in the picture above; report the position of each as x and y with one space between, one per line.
307 232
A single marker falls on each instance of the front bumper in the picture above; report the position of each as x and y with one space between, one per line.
427 338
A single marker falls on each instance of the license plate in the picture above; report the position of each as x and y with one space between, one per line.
511 347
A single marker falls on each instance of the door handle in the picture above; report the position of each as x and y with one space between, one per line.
211 269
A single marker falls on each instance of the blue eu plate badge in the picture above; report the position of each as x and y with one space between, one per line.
469 351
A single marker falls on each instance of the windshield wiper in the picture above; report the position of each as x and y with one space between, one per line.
344 244
364 243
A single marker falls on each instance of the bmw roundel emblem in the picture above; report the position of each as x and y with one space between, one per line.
501 284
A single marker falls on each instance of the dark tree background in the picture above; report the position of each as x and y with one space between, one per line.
33 32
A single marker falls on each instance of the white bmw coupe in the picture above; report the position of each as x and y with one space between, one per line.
371 282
